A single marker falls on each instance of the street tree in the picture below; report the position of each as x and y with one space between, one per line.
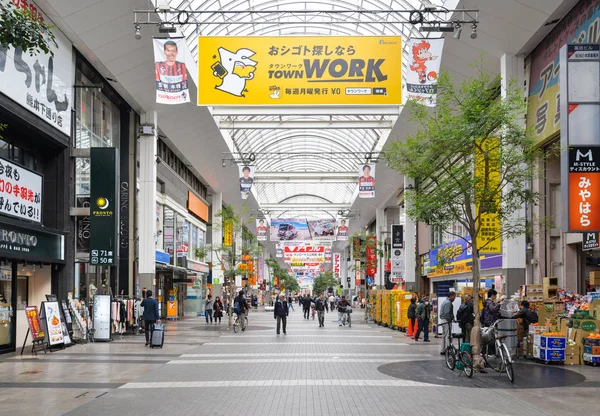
228 255
24 29
472 160
287 282
324 281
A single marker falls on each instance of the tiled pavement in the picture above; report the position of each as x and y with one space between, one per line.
207 370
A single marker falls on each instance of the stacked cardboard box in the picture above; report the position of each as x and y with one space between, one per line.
573 354
552 348
591 350
534 293
550 287
535 340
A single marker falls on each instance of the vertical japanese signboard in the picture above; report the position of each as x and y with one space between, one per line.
304 70
41 83
20 192
104 209
397 236
371 256
580 136
227 233
488 190
337 264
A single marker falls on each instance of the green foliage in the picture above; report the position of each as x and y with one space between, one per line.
21 28
324 281
469 120
286 280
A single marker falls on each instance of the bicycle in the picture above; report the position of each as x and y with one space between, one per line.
452 354
501 360
237 324
347 317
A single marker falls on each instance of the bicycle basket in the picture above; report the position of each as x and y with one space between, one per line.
487 336
348 309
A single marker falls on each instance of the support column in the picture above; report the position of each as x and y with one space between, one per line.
513 249
380 226
410 243
147 204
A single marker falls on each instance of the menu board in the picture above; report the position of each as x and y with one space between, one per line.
33 319
53 323
101 318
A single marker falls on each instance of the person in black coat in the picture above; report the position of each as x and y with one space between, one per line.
412 314
281 312
151 315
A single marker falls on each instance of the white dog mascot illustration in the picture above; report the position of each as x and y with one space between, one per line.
234 70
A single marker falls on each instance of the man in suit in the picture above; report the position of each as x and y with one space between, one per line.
281 312
150 316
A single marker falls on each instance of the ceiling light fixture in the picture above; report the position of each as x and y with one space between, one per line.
457 31
474 31
167 28
138 32
415 17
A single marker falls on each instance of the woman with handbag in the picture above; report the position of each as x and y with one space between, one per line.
218 309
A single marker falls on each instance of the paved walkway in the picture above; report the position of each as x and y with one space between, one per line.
208 370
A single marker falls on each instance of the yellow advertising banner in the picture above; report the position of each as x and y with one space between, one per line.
488 239
276 70
227 234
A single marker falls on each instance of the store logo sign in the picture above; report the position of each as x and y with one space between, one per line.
20 239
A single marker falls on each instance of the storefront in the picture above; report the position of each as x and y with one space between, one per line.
28 257
197 288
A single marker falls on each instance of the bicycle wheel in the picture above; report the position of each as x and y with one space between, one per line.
507 363
450 358
236 325
467 362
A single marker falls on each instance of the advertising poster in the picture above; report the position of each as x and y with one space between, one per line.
41 83
366 181
371 256
246 180
580 25
171 73
20 192
33 319
307 70
423 69
53 323
342 230
262 229
288 229
322 229
296 254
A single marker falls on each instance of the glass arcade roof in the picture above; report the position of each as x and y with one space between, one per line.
318 154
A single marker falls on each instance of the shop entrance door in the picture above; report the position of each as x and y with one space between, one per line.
7 307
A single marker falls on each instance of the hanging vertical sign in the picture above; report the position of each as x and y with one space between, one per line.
104 209
337 264
397 262
591 241
171 74
423 69
580 138
366 181
261 269
262 229
371 256
246 180
227 233
342 230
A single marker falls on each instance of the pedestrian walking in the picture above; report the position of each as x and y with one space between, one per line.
218 309
331 302
412 313
281 313
320 303
306 306
151 315
208 309
291 303
446 318
423 316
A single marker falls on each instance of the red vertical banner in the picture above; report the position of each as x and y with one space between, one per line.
584 189
371 253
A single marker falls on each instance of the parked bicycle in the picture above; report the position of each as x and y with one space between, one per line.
237 323
495 352
454 354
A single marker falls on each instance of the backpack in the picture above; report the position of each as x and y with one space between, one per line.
236 307
462 315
